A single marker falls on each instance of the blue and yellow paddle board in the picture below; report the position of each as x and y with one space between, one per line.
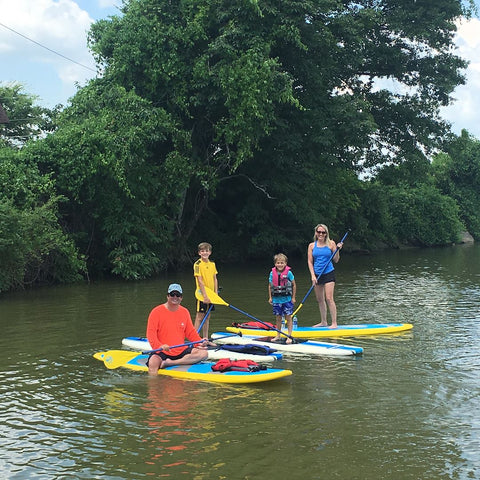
322 332
199 371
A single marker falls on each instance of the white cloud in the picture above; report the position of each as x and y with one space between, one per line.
464 113
58 25
468 33
38 37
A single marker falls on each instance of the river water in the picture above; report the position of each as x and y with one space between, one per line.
407 409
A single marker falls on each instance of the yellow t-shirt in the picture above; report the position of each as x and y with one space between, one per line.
206 270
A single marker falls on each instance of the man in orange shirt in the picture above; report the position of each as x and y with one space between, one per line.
170 324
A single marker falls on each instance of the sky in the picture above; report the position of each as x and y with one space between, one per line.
43 46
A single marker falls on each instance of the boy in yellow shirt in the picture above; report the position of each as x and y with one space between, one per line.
205 273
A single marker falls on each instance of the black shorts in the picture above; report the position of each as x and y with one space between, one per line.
164 356
326 278
203 307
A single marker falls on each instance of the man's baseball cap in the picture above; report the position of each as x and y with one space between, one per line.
175 287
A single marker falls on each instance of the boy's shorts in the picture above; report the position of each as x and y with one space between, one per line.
203 307
282 309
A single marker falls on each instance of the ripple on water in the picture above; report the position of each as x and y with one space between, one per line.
405 409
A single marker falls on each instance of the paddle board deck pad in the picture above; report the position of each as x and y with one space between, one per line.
141 344
199 371
305 347
322 332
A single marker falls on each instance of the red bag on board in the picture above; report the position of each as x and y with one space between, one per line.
257 325
225 365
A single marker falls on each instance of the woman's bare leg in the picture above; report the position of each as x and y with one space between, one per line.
322 306
332 307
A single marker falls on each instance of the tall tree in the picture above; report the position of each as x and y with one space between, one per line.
246 95
108 157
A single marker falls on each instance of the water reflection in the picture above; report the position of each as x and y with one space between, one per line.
170 413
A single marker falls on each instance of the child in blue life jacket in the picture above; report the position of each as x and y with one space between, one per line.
281 293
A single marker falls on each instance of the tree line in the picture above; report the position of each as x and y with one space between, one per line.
244 123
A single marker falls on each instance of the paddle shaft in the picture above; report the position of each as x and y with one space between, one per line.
187 344
205 317
263 323
319 275
215 298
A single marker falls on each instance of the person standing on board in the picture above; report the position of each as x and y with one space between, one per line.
281 293
205 273
170 324
319 254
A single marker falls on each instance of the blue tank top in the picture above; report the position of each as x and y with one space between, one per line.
321 257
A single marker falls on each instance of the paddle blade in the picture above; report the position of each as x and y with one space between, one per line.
115 358
214 298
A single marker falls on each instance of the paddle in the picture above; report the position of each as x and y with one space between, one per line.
187 344
217 300
205 317
118 358
115 358
320 274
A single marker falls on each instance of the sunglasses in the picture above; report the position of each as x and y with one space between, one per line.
321 232
175 294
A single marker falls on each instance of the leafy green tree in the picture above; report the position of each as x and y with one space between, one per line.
108 158
34 248
27 121
424 217
457 174
253 116
257 91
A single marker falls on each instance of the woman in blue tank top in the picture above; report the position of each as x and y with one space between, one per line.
322 272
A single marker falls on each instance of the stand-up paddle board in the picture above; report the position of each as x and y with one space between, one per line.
199 371
141 344
304 347
322 332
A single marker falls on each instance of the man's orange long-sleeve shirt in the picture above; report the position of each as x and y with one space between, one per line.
171 328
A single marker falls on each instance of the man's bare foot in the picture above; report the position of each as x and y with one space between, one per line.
164 364
320 325
288 341
333 325
276 339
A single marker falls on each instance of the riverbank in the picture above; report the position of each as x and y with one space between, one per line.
354 248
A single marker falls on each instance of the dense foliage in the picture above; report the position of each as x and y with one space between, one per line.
26 120
457 175
244 123
34 248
